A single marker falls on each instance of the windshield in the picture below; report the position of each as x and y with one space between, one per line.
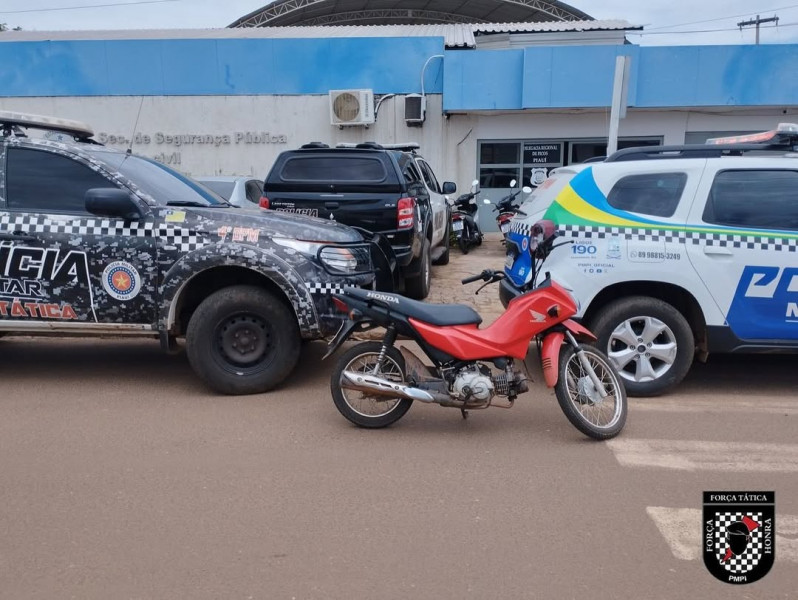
165 185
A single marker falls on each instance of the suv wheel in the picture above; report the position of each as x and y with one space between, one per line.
649 342
242 340
418 287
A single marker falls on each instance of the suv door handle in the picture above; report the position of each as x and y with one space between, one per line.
332 205
717 251
17 236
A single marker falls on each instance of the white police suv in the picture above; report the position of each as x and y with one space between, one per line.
674 251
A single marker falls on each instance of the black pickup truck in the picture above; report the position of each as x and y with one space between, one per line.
389 190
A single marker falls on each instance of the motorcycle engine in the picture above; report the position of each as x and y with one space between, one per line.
477 381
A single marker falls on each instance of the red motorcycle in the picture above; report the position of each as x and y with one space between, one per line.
374 383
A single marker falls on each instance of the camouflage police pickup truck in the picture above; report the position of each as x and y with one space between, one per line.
95 241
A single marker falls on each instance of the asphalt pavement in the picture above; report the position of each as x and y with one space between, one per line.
123 477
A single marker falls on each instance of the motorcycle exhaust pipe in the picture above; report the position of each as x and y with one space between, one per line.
363 382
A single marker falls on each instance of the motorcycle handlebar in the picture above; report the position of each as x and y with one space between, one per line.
486 275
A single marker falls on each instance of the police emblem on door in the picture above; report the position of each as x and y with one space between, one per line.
739 535
121 280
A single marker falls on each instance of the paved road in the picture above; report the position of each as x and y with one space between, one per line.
122 477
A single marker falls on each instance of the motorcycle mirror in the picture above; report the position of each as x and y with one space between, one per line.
527 189
486 201
474 186
512 183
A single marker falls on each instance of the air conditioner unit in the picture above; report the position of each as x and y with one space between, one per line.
351 107
415 109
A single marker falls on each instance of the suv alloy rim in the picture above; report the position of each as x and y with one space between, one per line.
642 348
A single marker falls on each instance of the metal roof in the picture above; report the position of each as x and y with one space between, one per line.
384 12
456 35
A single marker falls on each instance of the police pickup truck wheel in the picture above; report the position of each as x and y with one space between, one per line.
242 340
418 287
648 340
443 259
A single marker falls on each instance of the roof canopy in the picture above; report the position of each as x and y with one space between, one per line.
409 12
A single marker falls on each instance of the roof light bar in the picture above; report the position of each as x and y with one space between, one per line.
76 128
784 133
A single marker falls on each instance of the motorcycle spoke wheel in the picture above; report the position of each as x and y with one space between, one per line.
364 408
580 399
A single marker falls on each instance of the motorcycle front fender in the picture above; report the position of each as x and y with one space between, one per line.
550 357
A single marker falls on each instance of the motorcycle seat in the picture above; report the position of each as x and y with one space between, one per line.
434 314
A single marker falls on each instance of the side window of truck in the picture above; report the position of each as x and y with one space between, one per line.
760 199
39 181
429 177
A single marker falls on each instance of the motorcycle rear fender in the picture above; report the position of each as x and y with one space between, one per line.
347 327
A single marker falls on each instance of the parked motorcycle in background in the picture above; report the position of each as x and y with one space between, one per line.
507 208
465 222
374 383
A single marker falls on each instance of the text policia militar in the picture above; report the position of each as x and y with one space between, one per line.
30 276
199 139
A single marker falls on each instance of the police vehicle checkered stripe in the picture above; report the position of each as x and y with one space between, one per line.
697 238
520 227
324 288
748 559
184 240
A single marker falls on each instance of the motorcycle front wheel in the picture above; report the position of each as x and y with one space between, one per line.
367 409
599 417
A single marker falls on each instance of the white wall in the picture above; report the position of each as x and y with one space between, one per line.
290 122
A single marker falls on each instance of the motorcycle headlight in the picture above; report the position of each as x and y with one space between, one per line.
339 259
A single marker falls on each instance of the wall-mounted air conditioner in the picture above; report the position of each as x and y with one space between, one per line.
415 109
351 107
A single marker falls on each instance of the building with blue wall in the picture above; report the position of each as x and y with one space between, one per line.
490 112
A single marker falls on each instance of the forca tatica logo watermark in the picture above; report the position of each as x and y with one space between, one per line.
739 535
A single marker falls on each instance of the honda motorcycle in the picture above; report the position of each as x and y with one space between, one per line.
375 383
507 210
465 223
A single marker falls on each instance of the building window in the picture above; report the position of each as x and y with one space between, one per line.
530 161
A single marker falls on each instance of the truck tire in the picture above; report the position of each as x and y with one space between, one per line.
242 340
649 342
444 258
418 287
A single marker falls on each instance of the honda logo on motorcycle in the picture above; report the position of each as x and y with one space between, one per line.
739 535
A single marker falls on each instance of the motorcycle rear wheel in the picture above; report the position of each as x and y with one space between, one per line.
596 417
361 408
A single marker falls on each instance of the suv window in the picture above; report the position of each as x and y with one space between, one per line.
254 191
762 199
655 194
333 168
40 181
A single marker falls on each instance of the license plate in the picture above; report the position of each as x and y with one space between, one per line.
505 228
508 262
309 212
457 226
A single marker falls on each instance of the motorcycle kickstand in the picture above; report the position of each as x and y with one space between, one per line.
464 412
